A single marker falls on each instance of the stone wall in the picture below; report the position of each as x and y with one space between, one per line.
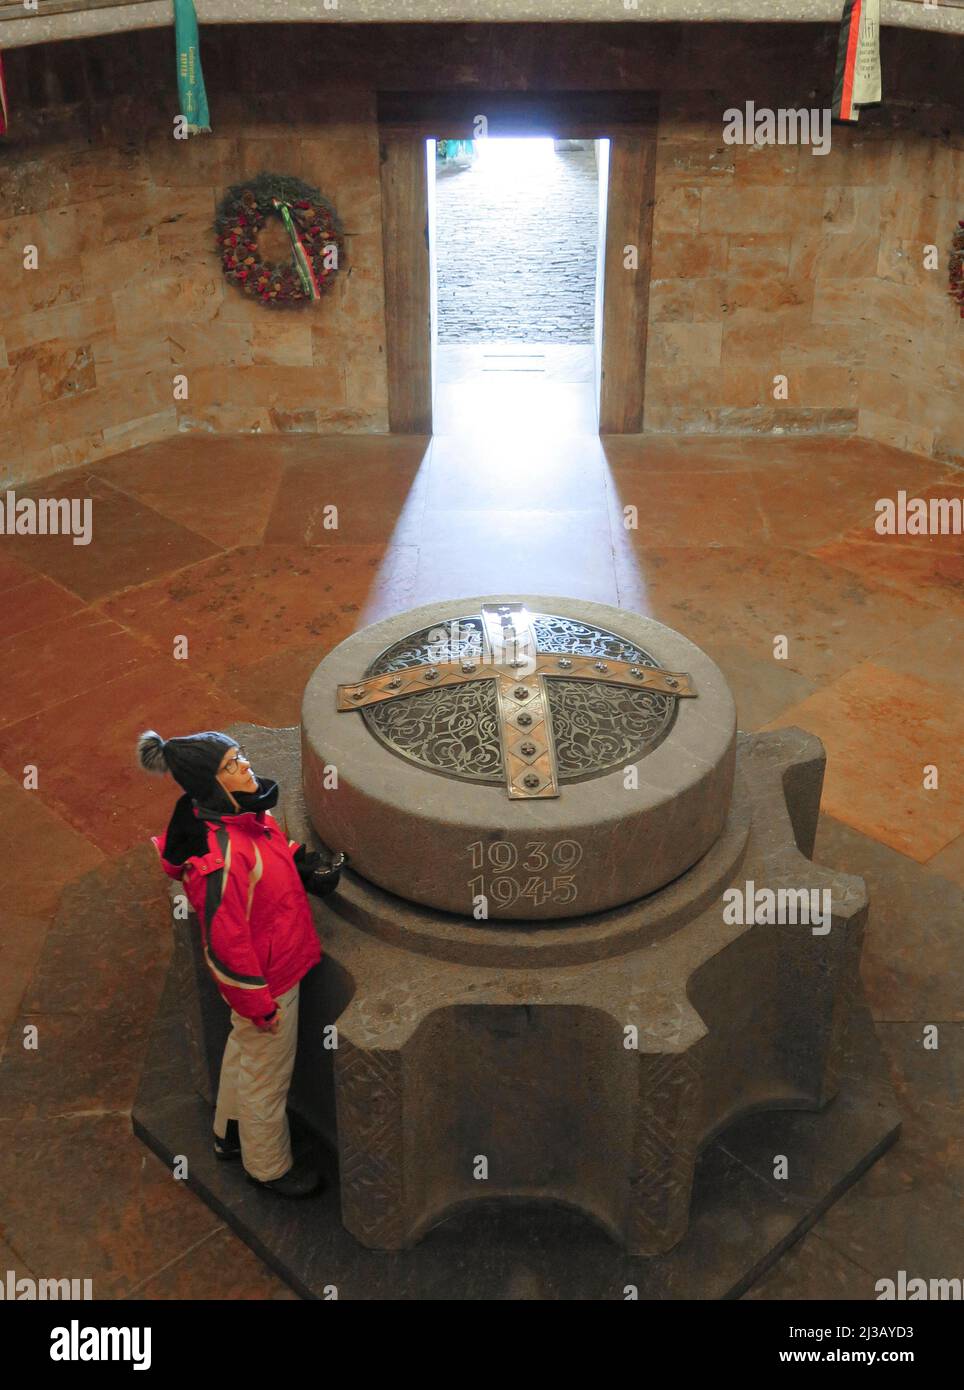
765 261
775 260
129 290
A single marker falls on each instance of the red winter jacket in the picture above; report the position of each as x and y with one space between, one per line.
257 929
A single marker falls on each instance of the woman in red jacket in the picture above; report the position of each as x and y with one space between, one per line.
246 882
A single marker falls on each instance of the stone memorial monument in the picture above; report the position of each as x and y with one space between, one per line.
580 947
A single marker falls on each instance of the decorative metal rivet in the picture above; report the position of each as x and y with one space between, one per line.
521 693
525 720
672 682
358 694
527 749
531 779
601 666
395 683
468 667
635 671
565 663
431 675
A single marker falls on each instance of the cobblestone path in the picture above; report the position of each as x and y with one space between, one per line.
516 251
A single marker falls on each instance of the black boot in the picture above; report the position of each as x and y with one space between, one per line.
230 1145
301 1180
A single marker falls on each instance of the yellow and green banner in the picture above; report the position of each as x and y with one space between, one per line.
190 79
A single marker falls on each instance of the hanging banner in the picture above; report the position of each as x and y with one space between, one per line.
857 75
190 79
301 258
3 100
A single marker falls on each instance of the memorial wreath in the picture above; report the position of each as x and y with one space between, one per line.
312 226
956 276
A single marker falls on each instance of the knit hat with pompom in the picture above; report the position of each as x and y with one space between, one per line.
192 761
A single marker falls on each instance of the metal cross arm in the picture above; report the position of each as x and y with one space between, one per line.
414 679
512 659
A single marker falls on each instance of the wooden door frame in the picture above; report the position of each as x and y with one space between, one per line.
407 119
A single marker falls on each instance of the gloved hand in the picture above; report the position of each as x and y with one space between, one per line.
319 878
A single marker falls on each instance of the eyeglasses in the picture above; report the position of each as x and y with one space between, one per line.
235 764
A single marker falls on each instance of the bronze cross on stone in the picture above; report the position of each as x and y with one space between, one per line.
512 659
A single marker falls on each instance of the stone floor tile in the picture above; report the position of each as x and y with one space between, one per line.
933 652
813 1269
814 502
753 595
881 730
376 482
239 607
885 1225
950 862
936 577
688 509
48 853
913 961
130 543
35 602
929 1082
230 480
569 474
85 750
110 939
23 939
83 1198
46 665
219 1267
761 688
544 552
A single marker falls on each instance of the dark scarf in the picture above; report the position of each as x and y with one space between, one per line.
187 834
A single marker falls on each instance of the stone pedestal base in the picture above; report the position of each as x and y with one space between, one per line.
741 1221
590 1065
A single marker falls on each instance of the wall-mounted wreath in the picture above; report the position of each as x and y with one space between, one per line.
956 273
313 230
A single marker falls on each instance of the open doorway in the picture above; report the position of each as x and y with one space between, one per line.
517 232
409 124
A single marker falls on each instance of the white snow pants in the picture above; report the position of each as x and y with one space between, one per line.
255 1076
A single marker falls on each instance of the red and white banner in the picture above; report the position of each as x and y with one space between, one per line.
857 75
3 100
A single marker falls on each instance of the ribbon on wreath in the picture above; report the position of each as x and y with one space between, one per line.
190 79
857 75
4 124
302 259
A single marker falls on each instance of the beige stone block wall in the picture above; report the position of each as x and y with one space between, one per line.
772 260
129 290
766 261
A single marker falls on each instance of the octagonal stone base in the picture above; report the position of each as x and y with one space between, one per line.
457 1039
742 1219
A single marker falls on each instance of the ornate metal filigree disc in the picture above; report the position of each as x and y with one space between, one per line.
455 730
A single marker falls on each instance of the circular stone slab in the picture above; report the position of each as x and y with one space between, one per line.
644 779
